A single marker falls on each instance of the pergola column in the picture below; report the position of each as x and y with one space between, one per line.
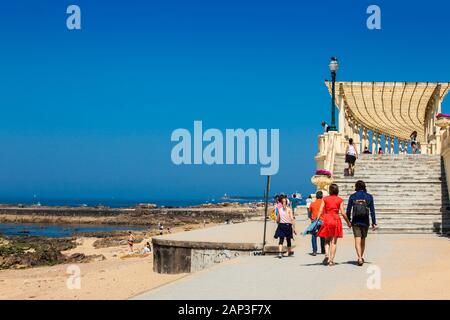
391 147
357 137
341 116
378 142
365 138
386 145
374 142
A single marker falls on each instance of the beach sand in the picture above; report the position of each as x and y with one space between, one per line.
119 276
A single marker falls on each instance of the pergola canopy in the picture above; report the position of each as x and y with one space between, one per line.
394 109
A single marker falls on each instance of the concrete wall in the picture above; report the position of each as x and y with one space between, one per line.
205 258
171 259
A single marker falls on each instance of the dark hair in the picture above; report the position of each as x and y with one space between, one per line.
319 194
334 189
360 186
350 141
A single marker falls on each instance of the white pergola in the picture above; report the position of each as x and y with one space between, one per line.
392 109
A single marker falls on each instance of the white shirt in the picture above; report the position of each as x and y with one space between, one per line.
351 150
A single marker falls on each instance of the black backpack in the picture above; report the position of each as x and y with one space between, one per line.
360 209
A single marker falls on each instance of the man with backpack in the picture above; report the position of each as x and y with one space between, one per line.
360 207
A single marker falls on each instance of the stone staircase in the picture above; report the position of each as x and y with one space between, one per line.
410 192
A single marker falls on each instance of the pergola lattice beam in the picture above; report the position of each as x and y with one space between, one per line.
394 109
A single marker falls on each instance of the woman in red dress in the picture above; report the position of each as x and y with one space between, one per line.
331 228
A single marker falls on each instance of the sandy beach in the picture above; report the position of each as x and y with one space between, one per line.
119 276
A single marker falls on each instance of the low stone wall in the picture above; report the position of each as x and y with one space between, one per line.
172 257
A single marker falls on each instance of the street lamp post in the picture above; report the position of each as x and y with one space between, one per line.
334 66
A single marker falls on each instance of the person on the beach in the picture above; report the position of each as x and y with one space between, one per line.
331 229
366 150
380 150
130 241
285 229
359 205
351 154
314 209
161 228
413 138
147 248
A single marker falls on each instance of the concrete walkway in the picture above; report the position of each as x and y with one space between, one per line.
400 260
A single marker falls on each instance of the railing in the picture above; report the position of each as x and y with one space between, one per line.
330 143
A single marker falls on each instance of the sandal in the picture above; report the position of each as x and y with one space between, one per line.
325 261
360 263
331 263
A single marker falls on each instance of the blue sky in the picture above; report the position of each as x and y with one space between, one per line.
89 113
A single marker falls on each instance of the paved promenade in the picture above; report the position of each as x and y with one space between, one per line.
410 267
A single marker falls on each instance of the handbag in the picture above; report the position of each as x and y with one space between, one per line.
316 227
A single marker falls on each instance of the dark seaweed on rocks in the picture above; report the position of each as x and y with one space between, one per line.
26 252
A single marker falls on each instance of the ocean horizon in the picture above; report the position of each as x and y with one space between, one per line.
126 203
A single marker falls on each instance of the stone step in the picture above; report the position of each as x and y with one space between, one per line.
409 191
388 186
417 211
394 171
396 156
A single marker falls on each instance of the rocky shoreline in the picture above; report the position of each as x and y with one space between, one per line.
138 215
19 252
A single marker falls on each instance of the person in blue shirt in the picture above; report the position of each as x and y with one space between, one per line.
361 223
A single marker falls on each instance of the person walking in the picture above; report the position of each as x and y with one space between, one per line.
314 209
309 200
359 205
295 202
285 229
350 157
331 229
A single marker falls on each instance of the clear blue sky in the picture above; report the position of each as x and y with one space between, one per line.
89 113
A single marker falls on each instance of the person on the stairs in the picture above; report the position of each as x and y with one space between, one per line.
331 229
413 138
366 150
350 156
359 205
